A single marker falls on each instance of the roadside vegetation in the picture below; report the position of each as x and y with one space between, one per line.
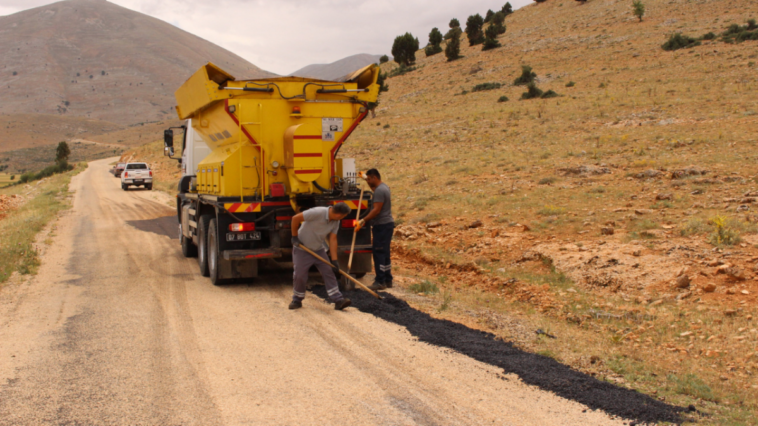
40 203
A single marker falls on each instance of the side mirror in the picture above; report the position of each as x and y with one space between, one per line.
168 138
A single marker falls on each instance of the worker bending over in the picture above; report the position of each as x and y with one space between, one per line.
318 223
383 228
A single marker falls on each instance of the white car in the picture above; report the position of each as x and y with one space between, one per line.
136 174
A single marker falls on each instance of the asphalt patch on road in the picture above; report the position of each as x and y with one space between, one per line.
166 225
537 370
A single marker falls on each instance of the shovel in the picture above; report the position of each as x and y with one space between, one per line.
360 284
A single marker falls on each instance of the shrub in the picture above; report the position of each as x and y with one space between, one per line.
498 21
503 99
13 177
570 84
551 211
488 16
383 87
102 72
550 94
724 232
474 32
638 8
526 77
453 48
532 92
404 49
432 50
738 34
547 181
401 70
486 86
384 59
709 36
693 226
507 9
426 287
679 41
15 72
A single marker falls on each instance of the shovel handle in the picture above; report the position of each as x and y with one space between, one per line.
360 284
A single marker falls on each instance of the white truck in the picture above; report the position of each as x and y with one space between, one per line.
137 174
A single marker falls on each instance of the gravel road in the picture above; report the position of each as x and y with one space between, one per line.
119 328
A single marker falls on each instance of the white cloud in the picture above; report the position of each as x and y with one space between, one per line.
285 35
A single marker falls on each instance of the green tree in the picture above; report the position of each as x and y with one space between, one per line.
488 16
474 32
498 21
453 48
404 49
454 23
490 38
435 37
384 59
507 9
527 76
13 177
540 1
638 9
62 152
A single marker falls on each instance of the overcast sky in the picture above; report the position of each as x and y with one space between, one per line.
284 35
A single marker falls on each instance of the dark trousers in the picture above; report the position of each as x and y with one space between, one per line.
303 261
382 239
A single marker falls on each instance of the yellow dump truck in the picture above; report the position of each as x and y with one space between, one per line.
256 152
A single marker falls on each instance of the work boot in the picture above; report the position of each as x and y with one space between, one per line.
296 304
377 286
388 284
341 304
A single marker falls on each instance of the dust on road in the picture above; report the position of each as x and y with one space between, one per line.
119 328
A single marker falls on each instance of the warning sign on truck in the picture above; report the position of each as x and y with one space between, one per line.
329 126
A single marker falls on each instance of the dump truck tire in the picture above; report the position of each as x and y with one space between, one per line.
213 254
202 243
188 248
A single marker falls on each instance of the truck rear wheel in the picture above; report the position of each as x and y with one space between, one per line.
202 243
213 254
189 249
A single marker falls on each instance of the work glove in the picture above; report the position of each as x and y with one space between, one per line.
295 241
360 225
336 267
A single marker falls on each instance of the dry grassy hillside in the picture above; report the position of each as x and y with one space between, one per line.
33 130
622 212
94 59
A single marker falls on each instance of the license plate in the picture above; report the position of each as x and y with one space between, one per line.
138 181
243 236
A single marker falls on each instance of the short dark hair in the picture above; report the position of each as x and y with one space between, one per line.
341 208
374 173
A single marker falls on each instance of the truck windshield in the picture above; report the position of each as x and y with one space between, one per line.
136 166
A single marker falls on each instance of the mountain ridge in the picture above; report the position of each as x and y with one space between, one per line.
98 60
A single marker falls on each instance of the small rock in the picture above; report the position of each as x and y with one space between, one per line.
475 224
742 208
594 359
724 378
682 281
685 334
637 253
715 262
745 292
730 312
696 192
709 288
730 291
433 225
666 196
641 212
607 231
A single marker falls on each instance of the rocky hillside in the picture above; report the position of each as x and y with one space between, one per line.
96 60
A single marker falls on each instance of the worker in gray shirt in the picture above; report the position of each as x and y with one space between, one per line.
383 227
318 223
